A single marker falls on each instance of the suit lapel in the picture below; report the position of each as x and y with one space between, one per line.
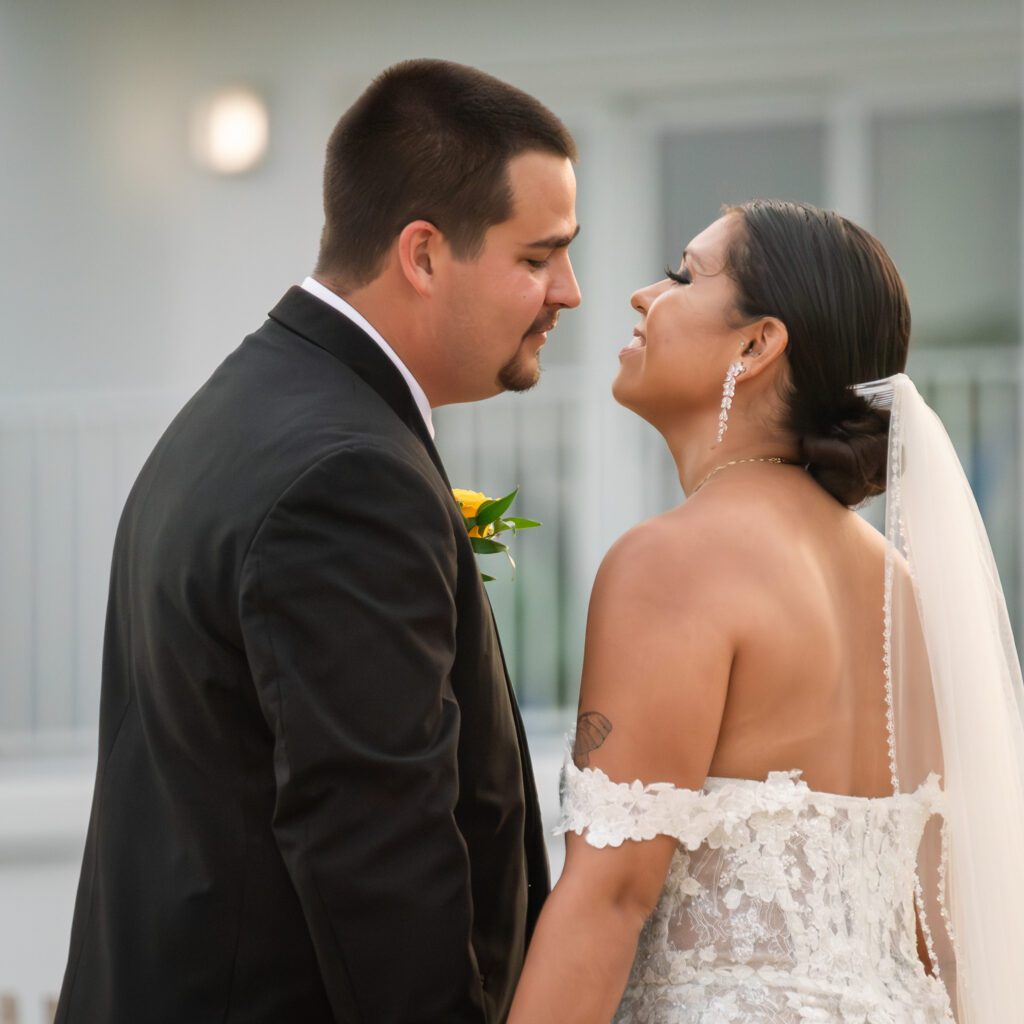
307 316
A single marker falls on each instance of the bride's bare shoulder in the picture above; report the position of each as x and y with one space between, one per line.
708 547
696 531
680 555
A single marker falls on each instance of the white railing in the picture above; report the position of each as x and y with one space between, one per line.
66 466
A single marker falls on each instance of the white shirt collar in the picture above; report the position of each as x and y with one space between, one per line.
314 287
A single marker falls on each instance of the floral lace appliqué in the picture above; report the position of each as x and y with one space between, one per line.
781 905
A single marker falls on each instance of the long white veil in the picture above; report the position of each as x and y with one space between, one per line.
956 708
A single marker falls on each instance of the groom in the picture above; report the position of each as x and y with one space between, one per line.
314 800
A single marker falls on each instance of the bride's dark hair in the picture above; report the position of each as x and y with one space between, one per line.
845 308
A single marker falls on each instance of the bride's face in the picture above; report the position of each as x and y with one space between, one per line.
686 337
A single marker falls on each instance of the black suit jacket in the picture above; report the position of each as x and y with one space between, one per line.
313 800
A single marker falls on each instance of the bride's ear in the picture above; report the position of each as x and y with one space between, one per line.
766 341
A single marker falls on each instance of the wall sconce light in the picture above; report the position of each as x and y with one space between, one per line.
230 130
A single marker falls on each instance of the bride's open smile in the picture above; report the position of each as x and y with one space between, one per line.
638 343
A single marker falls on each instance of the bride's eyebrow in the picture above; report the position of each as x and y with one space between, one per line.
694 261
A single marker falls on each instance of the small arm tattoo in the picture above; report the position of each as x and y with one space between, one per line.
592 730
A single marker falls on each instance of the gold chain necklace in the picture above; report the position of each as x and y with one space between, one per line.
775 460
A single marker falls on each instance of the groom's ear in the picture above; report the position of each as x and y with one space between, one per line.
419 246
767 340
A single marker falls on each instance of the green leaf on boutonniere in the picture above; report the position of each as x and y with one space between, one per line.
486 578
483 546
491 511
521 524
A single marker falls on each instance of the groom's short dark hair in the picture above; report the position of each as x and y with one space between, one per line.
427 140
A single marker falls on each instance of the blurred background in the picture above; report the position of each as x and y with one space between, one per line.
138 249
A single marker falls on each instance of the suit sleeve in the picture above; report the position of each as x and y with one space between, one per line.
348 618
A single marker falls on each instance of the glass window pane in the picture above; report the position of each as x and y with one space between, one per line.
947 188
947 207
704 168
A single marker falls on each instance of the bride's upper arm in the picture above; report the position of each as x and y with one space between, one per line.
659 648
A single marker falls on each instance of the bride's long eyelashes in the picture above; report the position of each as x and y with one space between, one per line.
678 276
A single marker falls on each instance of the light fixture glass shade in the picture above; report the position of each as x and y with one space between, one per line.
230 131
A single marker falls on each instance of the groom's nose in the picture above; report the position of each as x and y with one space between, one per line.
564 290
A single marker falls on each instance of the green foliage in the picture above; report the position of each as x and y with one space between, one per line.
485 546
490 519
491 511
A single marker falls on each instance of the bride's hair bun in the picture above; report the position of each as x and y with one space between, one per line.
848 458
845 309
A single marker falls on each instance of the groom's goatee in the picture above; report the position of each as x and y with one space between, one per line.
513 377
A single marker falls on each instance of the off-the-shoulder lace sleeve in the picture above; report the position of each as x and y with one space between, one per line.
608 813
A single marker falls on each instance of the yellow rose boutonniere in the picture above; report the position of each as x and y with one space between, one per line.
469 503
485 518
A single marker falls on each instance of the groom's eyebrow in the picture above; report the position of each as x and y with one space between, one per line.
555 242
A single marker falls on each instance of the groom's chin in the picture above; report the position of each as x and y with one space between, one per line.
521 374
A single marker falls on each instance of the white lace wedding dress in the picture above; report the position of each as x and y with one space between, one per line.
781 905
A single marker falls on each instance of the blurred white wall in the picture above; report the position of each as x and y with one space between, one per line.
127 273
126 266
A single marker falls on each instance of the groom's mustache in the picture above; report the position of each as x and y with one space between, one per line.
543 324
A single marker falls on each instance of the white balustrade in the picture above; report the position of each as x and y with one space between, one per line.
67 464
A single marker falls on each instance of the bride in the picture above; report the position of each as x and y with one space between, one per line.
795 788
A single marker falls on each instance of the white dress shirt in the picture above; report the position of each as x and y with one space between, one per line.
332 299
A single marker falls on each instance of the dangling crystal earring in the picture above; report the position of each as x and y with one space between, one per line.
728 391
